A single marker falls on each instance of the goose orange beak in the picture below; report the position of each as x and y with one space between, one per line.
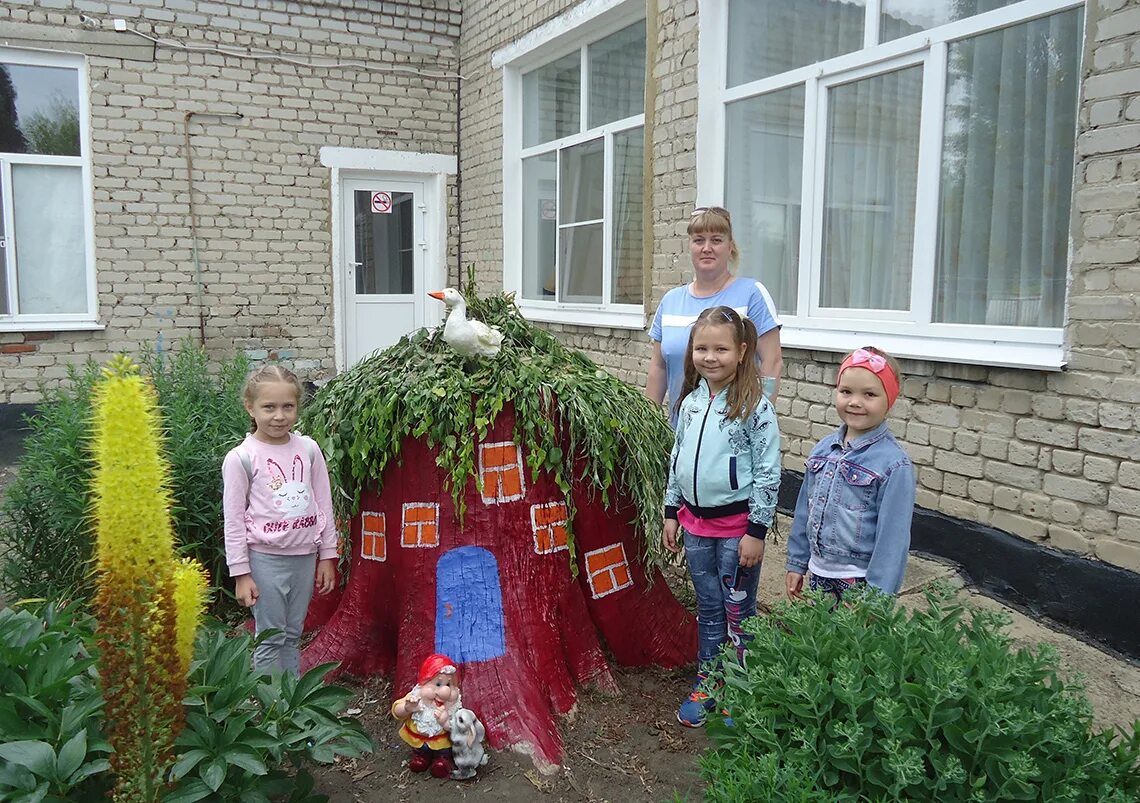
437 294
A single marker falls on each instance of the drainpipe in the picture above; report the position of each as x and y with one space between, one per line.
647 236
194 215
459 167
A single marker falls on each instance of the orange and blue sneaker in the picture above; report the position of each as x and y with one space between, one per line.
696 706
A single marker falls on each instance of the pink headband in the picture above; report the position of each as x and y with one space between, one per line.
876 364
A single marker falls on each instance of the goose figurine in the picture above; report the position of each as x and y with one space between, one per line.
468 338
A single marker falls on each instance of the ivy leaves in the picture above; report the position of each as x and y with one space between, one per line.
584 427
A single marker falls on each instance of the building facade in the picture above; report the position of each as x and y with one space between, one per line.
957 182
258 176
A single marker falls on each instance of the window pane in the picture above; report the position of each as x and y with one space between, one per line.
765 144
869 199
768 37
582 185
385 245
616 69
580 263
51 269
552 100
629 162
1007 174
540 225
39 110
902 17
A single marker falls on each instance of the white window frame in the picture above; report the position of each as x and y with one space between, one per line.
568 33
910 334
13 321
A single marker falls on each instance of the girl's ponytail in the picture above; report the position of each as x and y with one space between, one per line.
746 391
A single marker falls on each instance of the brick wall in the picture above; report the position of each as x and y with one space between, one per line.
262 198
1050 457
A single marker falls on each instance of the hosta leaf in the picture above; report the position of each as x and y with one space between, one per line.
186 762
35 755
71 755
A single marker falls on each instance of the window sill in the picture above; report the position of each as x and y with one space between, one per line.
1044 356
626 317
24 325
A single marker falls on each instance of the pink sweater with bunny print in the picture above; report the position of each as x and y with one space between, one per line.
286 509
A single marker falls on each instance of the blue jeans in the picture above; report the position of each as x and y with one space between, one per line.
726 593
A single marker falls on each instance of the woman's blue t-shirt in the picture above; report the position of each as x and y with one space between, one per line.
679 309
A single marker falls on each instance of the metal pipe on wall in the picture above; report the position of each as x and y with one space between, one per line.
194 215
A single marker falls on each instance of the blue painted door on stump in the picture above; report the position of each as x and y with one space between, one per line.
468 606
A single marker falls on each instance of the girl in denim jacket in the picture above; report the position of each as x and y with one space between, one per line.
724 475
853 514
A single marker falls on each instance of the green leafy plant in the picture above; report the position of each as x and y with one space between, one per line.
46 508
576 420
50 739
246 730
871 703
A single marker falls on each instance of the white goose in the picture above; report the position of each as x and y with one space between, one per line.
469 338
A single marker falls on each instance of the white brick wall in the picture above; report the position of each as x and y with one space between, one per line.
261 196
1047 456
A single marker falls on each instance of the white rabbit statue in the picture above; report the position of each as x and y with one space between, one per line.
467 753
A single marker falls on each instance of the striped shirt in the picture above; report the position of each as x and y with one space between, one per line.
679 309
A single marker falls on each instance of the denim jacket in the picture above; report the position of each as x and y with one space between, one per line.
720 466
855 507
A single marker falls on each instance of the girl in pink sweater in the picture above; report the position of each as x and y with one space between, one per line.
280 538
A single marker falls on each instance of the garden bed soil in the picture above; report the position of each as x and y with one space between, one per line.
631 748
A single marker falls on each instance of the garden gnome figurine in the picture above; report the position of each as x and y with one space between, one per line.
426 713
467 734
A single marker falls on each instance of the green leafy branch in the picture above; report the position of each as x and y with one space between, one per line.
589 430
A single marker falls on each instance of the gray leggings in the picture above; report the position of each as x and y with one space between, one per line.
284 586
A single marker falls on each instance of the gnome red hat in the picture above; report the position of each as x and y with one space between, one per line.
436 664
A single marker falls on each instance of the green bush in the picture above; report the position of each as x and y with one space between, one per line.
244 729
50 739
45 526
247 737
870 703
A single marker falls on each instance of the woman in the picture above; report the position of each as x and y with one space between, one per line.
711 248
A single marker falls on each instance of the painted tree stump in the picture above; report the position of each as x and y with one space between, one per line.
495 592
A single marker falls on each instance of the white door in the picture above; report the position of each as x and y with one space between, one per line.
384 271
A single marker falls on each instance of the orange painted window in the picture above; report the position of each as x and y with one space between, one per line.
607 570
420 526
373 536
501 469
548 522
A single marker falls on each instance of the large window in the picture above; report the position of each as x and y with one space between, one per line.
573 165
901 171
46 275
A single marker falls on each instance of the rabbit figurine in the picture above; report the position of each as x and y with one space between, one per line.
467 753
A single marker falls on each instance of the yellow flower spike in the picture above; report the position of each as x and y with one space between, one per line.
143 664
130 482
191 595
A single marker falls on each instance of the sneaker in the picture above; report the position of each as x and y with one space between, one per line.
693 710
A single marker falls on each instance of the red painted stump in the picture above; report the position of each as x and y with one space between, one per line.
496 593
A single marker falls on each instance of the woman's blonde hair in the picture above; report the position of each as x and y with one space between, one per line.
714 220
746 391
264 375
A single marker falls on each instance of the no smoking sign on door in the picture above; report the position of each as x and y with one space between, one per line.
382 202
